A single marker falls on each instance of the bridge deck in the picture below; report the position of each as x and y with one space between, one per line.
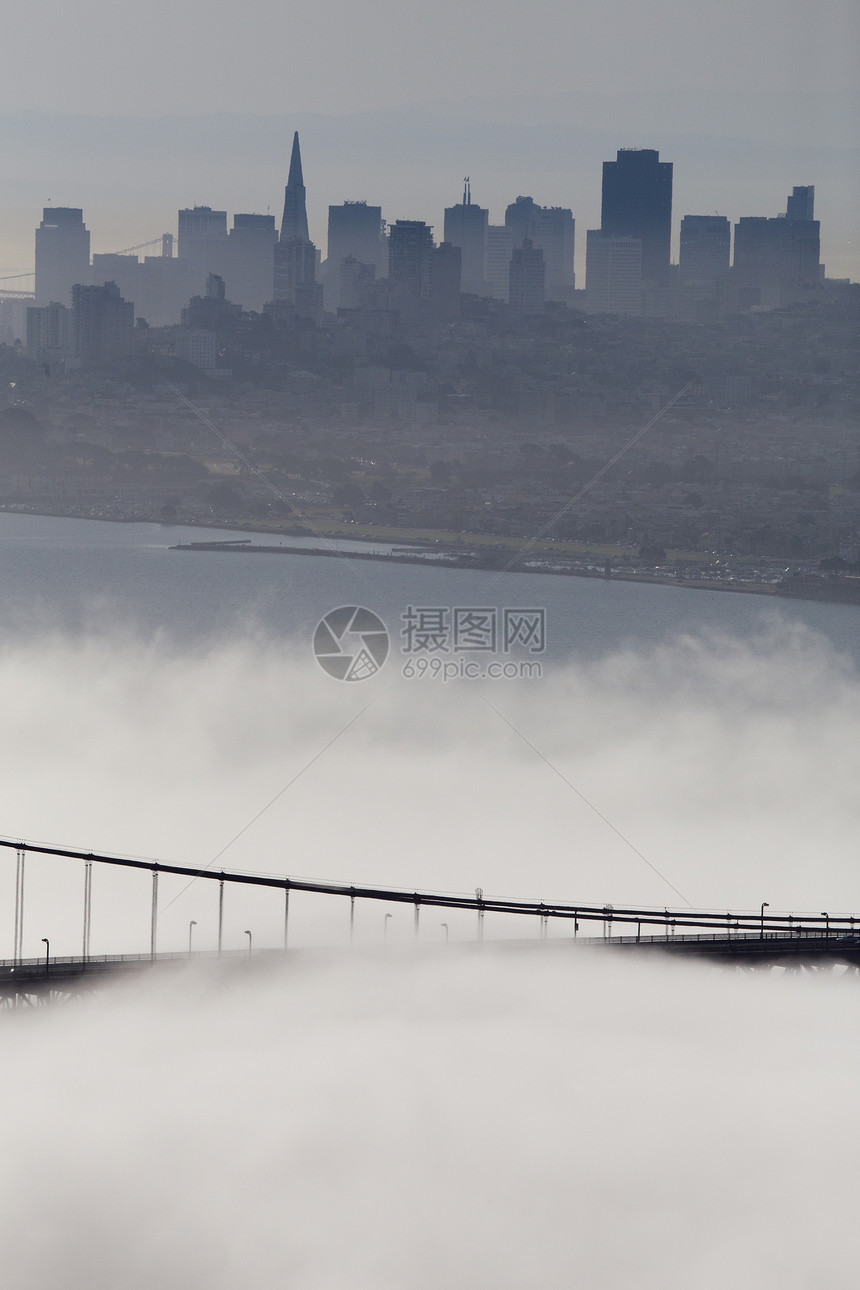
73 974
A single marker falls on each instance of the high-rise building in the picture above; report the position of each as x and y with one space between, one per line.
202 246
801 204
552 230
613 274
637 203
355 229
776 260
410 244
102 324
48 336
250 260
295 260
355 234
62 254
527 287
466 227
705 248
294 222
500 244
446 268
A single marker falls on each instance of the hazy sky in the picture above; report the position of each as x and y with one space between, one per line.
261 56
396 103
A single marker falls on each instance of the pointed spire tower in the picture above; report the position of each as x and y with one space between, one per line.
295 221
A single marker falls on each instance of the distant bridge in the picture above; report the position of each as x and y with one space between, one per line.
739 938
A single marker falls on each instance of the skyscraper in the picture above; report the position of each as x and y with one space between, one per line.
613 274
355 234
295 257
527 280
102 323
295 218
62 254
705 248
355 229
637 203
410 244
202 246
251 250
466 227
551 229
801 203
500 243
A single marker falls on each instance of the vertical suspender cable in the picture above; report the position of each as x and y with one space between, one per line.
154 930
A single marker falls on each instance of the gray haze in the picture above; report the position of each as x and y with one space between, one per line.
197 103
497 1121
731 766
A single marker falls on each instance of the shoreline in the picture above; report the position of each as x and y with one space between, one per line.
462 556
241 546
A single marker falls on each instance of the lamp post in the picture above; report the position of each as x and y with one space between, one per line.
385 927
193 923
764 905
826 917
47 945
250 942
445 925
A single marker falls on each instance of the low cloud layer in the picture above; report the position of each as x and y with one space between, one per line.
427 1117
501 1119
732 767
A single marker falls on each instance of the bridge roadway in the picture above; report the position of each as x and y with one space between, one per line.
39 981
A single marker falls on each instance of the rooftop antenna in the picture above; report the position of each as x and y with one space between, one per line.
467 192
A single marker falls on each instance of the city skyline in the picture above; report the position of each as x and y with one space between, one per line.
616 219
131 174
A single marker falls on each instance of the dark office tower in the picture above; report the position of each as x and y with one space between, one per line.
410 244
801 204
295 218
102 324
705 248
637 202
251 250
446 268
527 280
466 228
62 254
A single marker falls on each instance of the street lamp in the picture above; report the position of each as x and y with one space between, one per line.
764 905
385 927
250 942
47 945
826 917
445 925
193 923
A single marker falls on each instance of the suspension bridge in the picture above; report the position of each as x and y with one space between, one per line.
759 938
